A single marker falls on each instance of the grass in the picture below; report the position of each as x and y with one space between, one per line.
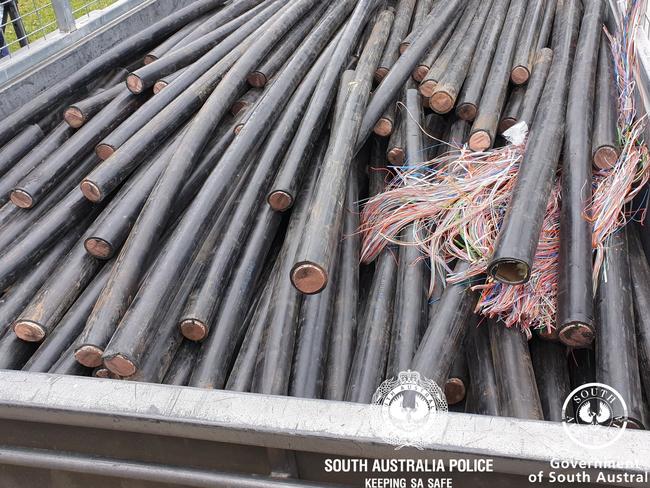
39 20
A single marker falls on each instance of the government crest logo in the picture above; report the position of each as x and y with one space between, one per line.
599 406
407 407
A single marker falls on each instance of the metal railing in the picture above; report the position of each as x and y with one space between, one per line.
25 21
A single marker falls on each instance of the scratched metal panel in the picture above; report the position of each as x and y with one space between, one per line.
242 423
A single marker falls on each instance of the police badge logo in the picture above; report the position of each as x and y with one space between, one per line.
407 405
599 406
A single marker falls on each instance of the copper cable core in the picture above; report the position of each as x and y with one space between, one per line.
238 106
467 111
21 198
120 365
380 74
309 278
396 156
89 356
427 88
480 141
280 201
577 335
605 157
383 128
506 124
98 247
134 84
455 390
159 86
104 151
29 331
257 79
105 373
74 117
91 191
520 75
193 329
441 102
420 73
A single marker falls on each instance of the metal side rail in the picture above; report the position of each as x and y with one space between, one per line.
125 470
48 61
99 423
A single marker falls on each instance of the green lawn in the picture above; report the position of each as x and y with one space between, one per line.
38 17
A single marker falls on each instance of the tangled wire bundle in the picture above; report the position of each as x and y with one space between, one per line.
457 203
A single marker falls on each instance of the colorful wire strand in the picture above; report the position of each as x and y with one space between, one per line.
457 203
615 188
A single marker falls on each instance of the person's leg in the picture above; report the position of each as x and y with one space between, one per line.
4 50
17 22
